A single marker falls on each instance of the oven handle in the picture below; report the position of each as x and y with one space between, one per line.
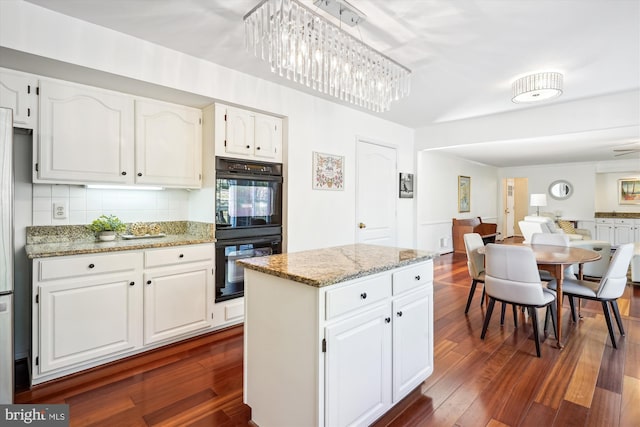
227 175
266 239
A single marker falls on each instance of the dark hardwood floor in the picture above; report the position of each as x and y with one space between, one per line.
495 382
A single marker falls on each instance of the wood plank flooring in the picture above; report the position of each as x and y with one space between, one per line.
493 382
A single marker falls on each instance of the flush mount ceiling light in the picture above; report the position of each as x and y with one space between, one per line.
306 48
537 87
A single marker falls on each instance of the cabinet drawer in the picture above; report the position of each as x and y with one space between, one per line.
604 221
84 265
412 277
357 295
624 221
177 255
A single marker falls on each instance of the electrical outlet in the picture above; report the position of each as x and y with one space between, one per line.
59 210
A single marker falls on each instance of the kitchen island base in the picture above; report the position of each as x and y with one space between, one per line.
341 354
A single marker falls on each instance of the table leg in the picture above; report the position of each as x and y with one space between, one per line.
580 277
559 279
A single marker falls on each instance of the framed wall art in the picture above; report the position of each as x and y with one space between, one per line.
629 191
406 185
464 194
328 172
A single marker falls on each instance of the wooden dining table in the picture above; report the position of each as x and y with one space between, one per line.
555 259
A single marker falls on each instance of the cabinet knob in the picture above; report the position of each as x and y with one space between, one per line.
418 277
91 265
139 173
387 320
257 148
362 225
181 256
363 295
132 283
148 282
123 173
248 146
399 314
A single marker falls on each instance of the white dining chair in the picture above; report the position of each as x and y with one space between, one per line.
607 291
512 277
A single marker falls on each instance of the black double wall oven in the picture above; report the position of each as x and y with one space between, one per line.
248 219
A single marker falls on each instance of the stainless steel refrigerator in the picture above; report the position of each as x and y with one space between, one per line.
6 256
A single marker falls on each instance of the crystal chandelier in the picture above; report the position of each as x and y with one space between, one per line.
306 48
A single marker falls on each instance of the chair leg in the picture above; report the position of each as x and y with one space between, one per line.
616 312
607 317
534 318
487 317
554 316
471 292
515 316
484 296
504 308
573 309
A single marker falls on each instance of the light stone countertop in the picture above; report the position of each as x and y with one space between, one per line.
51 241
324 267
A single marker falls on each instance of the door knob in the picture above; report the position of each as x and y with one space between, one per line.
362 225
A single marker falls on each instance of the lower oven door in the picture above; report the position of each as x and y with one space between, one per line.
229 275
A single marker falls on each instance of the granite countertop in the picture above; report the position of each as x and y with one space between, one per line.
323 267
50 241
617 214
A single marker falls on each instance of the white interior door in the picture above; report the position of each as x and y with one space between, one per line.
509 208
376 197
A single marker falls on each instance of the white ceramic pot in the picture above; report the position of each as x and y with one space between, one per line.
106 236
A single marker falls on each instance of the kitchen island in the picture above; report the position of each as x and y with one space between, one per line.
336 336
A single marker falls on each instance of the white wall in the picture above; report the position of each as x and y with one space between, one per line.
437 195
582 176
315 218
607 192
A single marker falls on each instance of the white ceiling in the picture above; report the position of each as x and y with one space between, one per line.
464 54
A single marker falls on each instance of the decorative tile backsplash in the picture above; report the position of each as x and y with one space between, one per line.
83 205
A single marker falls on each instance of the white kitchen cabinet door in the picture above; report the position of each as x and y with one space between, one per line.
605 230
624 231
87 319
176 300
18 92
86 135
239 131
412 341
358 368
168 145
268 137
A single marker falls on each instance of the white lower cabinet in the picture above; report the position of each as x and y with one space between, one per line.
340 355
358 368
93 309
176 301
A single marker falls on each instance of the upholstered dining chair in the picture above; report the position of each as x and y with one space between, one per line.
607 291
475 264
550 239
512 277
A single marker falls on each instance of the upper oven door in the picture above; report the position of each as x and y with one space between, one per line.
248 201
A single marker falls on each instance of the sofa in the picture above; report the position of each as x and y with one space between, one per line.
545 224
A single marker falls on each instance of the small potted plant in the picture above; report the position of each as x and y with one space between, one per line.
106 227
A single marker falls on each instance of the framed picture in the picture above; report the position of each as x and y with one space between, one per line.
328 172
464 193
629 191
406 185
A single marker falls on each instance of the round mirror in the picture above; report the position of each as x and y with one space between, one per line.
560 189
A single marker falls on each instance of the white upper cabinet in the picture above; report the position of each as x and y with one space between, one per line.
86 135
18 92
247 135
168 144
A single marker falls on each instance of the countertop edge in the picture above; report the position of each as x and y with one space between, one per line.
339 278
35 251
